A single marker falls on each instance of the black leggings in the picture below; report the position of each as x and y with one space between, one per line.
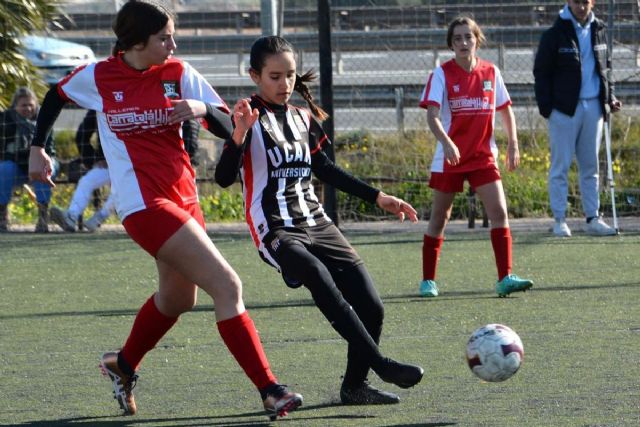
347 298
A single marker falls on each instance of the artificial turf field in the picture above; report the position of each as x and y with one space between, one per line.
65 299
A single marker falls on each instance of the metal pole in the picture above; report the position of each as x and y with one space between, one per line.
608 122
268 17
326 96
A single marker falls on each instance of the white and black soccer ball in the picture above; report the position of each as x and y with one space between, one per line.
494 352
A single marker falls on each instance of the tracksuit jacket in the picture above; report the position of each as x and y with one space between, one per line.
557 67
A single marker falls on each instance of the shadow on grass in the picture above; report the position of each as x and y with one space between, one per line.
404 298
225 420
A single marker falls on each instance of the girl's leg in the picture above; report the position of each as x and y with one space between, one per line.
299 264
95 178
492 196
358 289
494 201
200 262
433 238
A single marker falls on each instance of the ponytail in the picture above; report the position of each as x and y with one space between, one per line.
117 48
303 90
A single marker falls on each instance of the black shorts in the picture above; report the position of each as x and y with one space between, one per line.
325 242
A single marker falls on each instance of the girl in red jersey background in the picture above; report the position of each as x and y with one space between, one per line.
141 96
461 98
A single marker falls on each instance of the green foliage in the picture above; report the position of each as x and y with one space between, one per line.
19 18
400 166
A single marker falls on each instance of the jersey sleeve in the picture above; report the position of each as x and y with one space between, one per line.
317 137
433 92
80 88
195 86
503 100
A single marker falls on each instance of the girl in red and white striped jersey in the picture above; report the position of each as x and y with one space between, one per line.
142 95
275 147
461 98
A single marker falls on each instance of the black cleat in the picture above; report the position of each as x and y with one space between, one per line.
401 374
279 401
365 394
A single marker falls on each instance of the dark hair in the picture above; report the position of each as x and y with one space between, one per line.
136 21
273 45
473 26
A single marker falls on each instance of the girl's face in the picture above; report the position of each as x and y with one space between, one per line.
159 46
276 80
464 42
26 107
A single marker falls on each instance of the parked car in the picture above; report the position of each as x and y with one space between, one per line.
55 57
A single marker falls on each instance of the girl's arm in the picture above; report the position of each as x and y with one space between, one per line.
509 123
229 163
218 121
451 153
40 164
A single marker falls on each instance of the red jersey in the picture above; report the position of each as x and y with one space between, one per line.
468 102
148 164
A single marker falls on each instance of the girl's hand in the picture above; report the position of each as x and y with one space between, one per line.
513 156
243 119
451 153
186 109
396 206
40 166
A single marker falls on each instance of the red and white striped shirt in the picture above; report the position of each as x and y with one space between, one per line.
147 161
468 102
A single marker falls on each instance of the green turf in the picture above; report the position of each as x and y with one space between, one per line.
64 299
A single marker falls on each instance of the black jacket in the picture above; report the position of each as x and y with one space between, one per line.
16 133
557 68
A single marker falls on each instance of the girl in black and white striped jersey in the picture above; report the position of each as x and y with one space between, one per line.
275 147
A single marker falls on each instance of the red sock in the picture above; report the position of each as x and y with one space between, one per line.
148 328
241 337
501 242
430 254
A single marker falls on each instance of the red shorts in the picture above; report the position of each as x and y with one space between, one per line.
152 227
453 182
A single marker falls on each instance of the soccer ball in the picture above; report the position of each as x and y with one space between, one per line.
494 352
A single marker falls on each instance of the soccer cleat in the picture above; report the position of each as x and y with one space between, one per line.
401 374
512 283
93 223
365 394
597 227
63 219
278 401
428 288
561 229
123 384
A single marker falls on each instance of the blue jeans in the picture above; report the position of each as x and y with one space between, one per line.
11 175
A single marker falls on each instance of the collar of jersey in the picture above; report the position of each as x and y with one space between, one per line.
274 108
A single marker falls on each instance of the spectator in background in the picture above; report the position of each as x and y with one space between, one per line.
92 158
17 127
573 91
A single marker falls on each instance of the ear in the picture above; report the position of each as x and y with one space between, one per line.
254 75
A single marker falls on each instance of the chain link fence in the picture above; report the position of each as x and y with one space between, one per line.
382 55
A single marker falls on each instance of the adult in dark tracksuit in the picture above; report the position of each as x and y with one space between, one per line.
573 90
276 147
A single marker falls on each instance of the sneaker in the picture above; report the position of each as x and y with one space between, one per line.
123 384
278 401
512 283
401 374
597 227
93 223
365 394
561 229
428 288
63 219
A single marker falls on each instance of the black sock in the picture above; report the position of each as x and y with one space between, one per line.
124 365
590 218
